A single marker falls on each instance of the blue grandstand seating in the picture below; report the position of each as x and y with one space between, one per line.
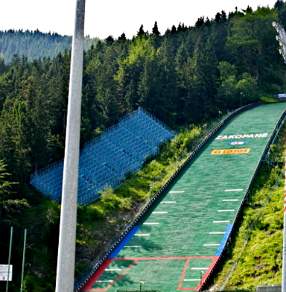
105 161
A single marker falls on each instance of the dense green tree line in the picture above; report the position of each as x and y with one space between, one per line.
34 44
187 75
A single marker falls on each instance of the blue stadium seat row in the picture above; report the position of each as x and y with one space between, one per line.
105 161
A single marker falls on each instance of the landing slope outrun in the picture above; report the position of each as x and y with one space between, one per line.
179 243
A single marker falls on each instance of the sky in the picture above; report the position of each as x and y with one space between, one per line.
112 17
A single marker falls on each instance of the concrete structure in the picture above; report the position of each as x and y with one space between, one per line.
66 250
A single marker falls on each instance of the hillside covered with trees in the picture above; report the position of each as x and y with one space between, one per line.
34 44
188 75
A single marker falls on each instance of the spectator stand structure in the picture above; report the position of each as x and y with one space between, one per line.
105 161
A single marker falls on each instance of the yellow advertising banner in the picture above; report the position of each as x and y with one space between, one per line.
230 151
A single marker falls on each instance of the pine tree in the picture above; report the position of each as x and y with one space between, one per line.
218 18
200 22
282 14
279 4
2 65
207 22
155 30
248 10
109 40
223 16
173 29
122 38
141 32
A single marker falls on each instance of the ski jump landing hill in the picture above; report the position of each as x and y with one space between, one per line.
177 244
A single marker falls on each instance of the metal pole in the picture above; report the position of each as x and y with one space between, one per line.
9 257
67 237
141 285
281 37
23 259
284 239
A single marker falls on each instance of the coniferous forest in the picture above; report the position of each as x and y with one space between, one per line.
35 44
32 44
186 75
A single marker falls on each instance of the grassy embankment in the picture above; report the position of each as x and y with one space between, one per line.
254 257
100 223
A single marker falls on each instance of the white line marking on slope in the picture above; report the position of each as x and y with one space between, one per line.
226 210
142 234
176 192
221 221
150 223
233 190
230 200
211 244
133 246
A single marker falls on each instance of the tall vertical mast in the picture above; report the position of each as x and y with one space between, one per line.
67 238
281 38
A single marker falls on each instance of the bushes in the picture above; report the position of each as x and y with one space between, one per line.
143 184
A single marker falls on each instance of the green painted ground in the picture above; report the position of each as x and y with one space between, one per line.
176 246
